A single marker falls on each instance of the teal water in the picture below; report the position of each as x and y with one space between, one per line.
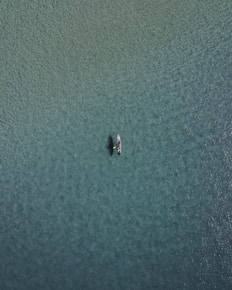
74 73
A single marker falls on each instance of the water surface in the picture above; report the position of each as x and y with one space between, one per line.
73 75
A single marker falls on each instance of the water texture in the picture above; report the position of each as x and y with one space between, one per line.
73 214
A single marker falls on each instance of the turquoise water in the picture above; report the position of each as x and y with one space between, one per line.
73 75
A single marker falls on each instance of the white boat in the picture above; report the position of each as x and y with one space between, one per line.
118 145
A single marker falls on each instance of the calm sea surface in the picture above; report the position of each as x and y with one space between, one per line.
74 74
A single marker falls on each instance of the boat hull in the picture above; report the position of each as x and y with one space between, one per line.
119 145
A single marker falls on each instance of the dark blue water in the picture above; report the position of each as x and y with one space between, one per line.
73 75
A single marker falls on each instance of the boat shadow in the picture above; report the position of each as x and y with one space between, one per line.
110 145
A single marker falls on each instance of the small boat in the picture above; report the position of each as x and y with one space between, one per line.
118 145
